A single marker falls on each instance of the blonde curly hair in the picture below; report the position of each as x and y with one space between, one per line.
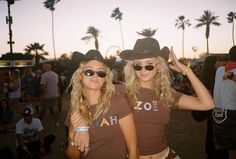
161 85
78 97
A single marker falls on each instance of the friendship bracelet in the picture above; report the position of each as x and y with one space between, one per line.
186 69
82 128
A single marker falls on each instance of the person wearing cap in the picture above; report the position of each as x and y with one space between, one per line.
107 113
30 136
149 92
224 123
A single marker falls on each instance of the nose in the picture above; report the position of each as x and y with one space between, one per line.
143 69
95 75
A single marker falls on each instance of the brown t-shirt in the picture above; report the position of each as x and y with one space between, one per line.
151 119
106 138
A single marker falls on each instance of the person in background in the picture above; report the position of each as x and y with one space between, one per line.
30 136
14 89
27 85
62 84
37 89
224 123
207 76
6 117
50 93
107 114
3 94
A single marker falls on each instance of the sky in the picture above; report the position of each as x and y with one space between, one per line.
32 23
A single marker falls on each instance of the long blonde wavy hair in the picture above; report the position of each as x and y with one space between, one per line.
78 97
161 84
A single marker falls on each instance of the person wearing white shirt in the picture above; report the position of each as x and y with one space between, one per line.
30 137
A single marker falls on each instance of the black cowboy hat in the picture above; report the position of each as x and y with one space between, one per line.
145 48
232 53
95 55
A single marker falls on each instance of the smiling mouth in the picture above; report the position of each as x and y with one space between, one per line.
144 74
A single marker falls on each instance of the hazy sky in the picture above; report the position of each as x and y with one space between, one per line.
32 23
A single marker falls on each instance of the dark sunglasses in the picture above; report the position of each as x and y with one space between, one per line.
100 74
148 67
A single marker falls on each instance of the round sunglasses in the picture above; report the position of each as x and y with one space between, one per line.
148 67
90 72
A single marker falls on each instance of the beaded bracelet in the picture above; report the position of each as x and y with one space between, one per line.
186 69
82 128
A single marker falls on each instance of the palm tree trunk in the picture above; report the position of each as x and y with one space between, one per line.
96 44
207 36
53 41
121 35
207 46
233 33
36 59
183 43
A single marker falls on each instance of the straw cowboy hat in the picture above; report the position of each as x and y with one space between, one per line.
145 48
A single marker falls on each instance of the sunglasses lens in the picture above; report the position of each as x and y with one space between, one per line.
137 67
149 67
88 73
101 74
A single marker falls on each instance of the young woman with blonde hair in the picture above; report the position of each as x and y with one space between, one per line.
149 92
105 113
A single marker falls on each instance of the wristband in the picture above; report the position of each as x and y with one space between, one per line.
72 143
186 69
82 128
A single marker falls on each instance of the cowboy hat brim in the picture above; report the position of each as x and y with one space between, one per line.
132 55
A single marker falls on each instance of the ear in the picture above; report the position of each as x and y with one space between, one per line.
165 52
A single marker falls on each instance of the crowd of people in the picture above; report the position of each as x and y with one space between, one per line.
25 98
122 112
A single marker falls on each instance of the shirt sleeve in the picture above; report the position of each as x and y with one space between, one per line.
19 127
121 105
39 125
176 95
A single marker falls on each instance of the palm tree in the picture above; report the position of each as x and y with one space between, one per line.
92 33
37 51
230 18
182 23
49 4
148 33
207 19
117 15
64 57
